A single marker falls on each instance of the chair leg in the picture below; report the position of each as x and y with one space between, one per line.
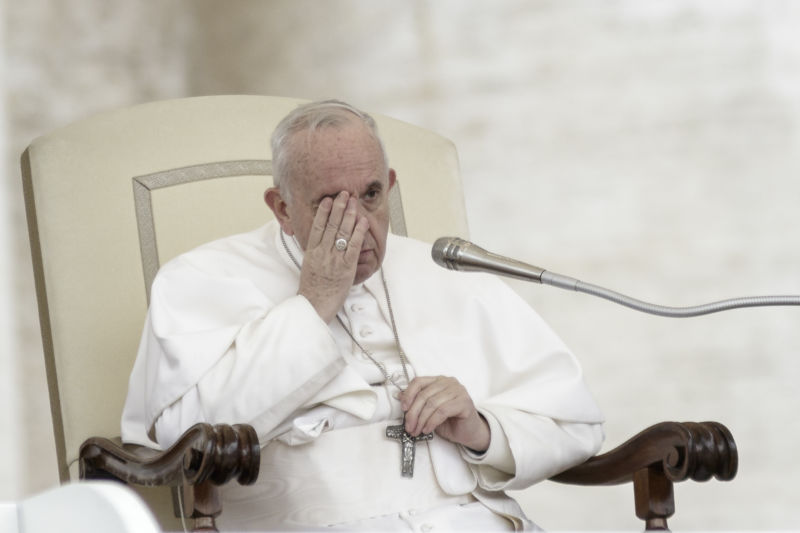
654 498
202 504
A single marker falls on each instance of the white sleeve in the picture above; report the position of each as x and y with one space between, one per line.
497 457
184 413
557 444
241 357
542 417
274 367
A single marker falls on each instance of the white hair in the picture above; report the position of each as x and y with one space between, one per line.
312 117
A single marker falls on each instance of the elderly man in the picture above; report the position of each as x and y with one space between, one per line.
388 393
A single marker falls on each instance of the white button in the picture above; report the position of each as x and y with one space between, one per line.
412 512
356 308
366 331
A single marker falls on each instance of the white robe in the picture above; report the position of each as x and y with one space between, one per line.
228 340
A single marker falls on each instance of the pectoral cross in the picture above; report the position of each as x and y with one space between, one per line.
409 444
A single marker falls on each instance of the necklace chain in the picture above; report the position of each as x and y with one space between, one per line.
381 367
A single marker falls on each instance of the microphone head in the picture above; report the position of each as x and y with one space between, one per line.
453 253
446 251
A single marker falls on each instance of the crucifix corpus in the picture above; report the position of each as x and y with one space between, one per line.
409 444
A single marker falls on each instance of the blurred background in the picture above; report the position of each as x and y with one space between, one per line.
647 146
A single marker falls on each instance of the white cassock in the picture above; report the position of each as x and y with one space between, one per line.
228 340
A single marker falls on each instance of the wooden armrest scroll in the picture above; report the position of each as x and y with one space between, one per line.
686 450
215 453
204 457
657 457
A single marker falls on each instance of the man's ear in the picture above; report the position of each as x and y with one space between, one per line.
392 177
279 207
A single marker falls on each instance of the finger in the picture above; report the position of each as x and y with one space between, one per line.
416 385
437 410
419 409
357 240
319 223
349 219
334 220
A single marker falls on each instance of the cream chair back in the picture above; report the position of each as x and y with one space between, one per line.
112 197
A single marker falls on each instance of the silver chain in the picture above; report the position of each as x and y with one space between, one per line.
381 367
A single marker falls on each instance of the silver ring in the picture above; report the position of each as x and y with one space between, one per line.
340 244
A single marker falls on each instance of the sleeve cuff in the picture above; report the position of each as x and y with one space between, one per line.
498 455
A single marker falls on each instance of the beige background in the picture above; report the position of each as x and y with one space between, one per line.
647 146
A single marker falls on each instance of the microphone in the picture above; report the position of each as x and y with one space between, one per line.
457 254
454 253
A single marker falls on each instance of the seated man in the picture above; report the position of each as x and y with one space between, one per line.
387 392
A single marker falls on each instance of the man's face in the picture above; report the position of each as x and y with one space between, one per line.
335 159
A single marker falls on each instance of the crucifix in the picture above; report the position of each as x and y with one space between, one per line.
409 444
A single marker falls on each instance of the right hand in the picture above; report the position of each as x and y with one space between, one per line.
327 273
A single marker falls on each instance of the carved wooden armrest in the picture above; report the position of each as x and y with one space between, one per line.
657 457
203 458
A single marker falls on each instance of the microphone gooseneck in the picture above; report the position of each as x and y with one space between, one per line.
454 253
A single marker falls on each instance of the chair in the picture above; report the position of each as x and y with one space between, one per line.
112 197
93 507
